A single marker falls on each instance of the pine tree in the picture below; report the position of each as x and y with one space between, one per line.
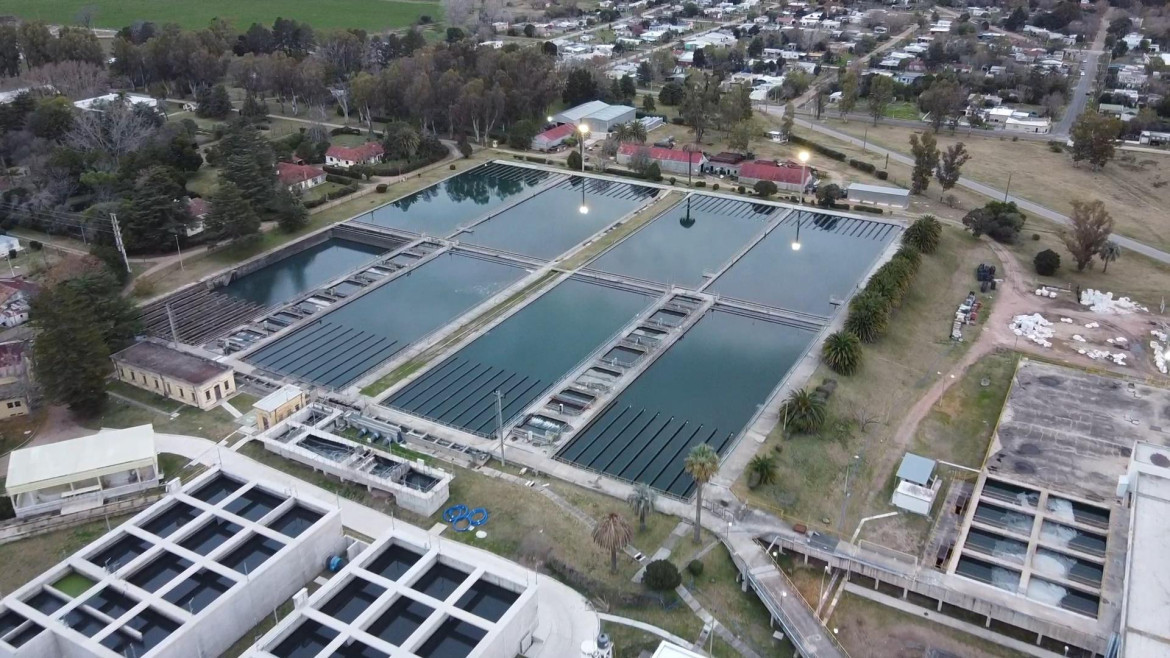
231 217
249 163
291 213
152 215
69 354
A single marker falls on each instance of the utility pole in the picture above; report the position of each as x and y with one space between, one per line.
180 251
1008 188
171 320
500 424
118 242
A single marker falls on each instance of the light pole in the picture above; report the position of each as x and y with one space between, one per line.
803 156
821 600
583 129
1008 188
795 247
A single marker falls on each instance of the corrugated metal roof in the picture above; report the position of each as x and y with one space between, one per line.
575 114
54 464
878 189
916 469
610 112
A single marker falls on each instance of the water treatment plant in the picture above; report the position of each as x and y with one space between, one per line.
612 354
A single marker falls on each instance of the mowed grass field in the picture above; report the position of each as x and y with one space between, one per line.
372 15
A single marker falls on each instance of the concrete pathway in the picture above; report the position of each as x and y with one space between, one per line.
141 405
227 406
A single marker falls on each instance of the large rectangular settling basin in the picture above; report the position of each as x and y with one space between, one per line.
704 389
341 346
835 252
441 208
550 223
303 271
521 357
693 238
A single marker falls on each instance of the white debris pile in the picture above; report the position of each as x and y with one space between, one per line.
1066 320
1092 325
1160 335
1161 353
1046 292
1079 338
1033 327
1103 302
1118 357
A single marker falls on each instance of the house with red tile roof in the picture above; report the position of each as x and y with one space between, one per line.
348 156
553 137
299 177
673 161
790 176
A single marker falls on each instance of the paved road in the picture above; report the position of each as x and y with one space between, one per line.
976 186
1080 97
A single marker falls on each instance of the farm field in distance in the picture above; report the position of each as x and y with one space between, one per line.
372 15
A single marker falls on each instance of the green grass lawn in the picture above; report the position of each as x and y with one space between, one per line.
321 190
28 558
903 110
321 14
214 424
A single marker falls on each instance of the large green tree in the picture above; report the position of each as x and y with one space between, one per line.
70 357
230 216
1093 137
881 94
924 148
248 161
152 215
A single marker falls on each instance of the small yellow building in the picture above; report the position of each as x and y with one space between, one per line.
14 380
177 375
278 405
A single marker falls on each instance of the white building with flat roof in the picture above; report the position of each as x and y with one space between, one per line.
187 577
81 474
601 117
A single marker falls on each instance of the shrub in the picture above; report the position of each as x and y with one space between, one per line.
575 163
1000 221
338 171
35 245
882 174
653 172
464 147
381 188
867 167
765 188
1047 262
695 568
761 470
672 180
869 316
924 234
1056 147
741 189
701 183
892 280
340 180
452 167
841 351
715 187
678 121
661 575
1036 237
873 210
345 131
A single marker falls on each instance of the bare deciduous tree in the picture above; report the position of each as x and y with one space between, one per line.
72 78
115 130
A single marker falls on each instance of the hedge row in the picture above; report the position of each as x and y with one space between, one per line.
819 148
340 180
389 169
870 310
345 131
330 196
339 171
864 208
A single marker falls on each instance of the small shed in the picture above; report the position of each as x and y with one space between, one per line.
278 405
878 195
917 485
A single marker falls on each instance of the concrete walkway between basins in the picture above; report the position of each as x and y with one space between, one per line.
566 619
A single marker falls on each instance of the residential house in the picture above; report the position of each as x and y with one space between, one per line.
724 163
789 176
349 156
15 379
97 103
672 161
1154 138
1036 125
15 296
553 137
177 375
299 177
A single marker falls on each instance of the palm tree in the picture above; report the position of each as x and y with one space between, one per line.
869 313
924 234
612 533
803 411
762 470
1109 253
842 352
641 500
702 463
634 131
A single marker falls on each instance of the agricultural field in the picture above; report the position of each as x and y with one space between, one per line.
372 15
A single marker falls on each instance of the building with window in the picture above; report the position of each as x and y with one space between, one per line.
278 405
670 161
177 375
348 156
788 176
81 474
299 177
880 195
14 379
